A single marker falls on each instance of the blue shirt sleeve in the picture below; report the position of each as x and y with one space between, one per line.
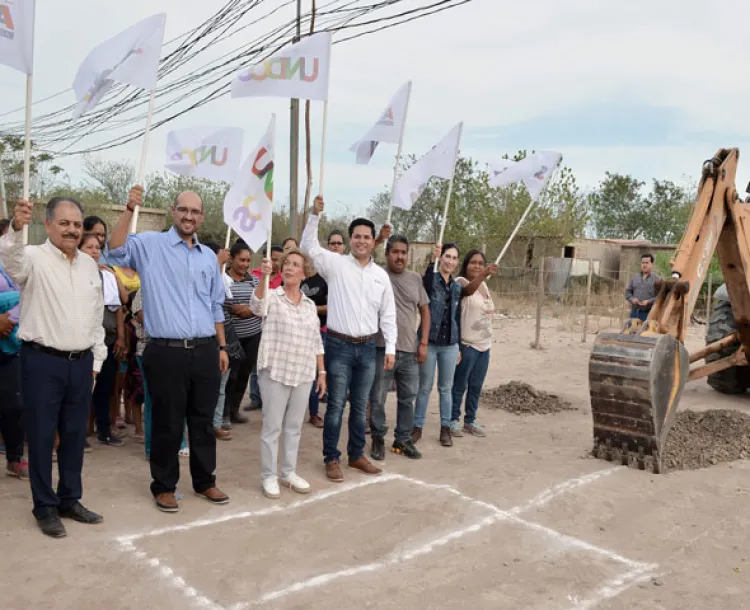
218 294
131 254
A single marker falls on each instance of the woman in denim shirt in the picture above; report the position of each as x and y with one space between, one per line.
445 335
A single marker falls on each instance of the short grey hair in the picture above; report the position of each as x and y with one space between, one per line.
55 201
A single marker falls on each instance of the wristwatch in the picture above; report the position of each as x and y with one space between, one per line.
222 348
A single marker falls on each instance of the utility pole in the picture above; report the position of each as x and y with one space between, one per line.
294 145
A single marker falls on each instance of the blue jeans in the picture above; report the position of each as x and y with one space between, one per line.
147 406
445 357
351 369
314 402
640 314
470 373
254 389
406 373
219 411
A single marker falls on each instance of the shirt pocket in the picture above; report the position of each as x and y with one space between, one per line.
203 280
375 292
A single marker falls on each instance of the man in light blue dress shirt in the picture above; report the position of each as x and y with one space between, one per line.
183 295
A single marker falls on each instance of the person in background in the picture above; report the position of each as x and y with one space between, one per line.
290 352
183 298
477 311
641 289
244 324
118 401
289 244
445 335
4 224
94 225
114 340
411 301
11 406
360 301
60 325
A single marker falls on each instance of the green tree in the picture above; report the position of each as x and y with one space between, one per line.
43 172
618 208
667 211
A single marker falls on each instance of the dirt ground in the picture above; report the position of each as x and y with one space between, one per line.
520 519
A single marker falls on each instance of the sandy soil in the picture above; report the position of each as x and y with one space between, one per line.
520 519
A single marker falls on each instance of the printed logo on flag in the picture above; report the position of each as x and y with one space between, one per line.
541 173
282 68
101 80
202 154
387 118
7 27
249 213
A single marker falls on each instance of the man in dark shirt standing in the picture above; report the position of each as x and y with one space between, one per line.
641 292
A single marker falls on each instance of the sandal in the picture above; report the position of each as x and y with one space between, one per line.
184 452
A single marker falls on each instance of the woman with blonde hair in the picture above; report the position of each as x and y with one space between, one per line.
290 351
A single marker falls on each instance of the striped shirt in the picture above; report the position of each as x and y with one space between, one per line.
291 338
242 292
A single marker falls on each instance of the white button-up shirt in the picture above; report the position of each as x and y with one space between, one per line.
360 299
62 304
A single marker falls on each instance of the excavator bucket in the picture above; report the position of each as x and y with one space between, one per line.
635 383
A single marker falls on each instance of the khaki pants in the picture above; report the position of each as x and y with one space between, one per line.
284 409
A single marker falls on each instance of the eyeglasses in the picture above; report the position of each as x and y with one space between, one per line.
335 243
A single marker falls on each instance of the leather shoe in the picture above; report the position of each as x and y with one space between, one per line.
222 435
317 421
51 525
333 471
238 418
166 502
378 449
78 512
214 495
416 435
365 466
445 436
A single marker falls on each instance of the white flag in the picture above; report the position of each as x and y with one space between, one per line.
388 128
248 205
300 70
440 162
131 58
213 153
17 34
534 171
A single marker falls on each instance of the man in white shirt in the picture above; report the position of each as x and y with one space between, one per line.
62 351
360 300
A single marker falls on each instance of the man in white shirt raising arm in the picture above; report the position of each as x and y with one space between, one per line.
61 327
359 295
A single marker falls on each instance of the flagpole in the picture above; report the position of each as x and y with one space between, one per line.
144 154
398 153
267 280
450 189
323 147
27 151
226 246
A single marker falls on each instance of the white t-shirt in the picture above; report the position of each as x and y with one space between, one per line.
477 312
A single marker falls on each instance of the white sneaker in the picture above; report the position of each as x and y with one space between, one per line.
271 488
296 483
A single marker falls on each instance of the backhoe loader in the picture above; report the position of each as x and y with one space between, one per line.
636 376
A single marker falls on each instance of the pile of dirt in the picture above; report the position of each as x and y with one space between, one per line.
699 439
522 399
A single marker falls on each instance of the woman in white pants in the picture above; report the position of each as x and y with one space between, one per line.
290 351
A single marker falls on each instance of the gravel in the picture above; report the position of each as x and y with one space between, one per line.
523 399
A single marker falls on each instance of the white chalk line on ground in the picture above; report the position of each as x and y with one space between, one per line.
637 571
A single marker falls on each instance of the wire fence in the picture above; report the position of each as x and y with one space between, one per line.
580 301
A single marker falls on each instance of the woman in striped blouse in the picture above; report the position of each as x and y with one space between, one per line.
290 351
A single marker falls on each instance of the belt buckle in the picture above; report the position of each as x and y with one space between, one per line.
186 343
72 356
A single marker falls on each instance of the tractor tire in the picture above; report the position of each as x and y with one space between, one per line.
736 379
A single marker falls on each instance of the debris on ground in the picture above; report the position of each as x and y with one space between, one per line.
523 399
700 439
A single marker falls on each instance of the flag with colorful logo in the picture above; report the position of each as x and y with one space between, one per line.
248 205
534 171
17 34
388 127
213 153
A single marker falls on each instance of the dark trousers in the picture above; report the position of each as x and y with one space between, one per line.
641 314
406 374
11 407
105 380
56 398
239 374
351 370
183 384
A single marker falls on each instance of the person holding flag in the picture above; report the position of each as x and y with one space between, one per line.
183 298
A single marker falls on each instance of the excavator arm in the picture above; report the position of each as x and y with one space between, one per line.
636 376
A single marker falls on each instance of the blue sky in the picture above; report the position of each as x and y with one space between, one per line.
648 88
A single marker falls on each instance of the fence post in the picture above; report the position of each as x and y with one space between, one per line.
539 303
709 298
588 302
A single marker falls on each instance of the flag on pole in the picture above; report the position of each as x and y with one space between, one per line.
130 58
213 153
17 34
388 127
439 162
534 171
300 70
248 205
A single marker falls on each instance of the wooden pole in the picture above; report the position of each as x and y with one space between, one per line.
539 303
588 302
27 151
144 155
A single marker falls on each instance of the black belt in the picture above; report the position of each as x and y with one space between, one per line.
348 339
183 343
56 352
